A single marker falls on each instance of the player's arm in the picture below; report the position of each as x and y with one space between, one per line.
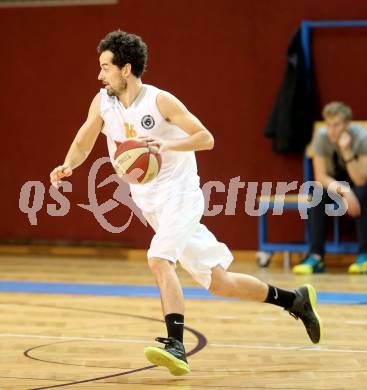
321 175
357 169
362 161
328 182
198 137
82 145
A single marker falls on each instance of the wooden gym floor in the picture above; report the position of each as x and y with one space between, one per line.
87 340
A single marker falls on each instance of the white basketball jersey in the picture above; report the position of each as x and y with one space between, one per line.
178 172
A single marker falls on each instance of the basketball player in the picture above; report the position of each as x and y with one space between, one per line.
173 202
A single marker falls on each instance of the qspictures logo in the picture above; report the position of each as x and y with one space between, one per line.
32 195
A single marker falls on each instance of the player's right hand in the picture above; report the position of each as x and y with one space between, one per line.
59 173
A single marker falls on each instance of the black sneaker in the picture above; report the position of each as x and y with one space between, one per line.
173 356
304 307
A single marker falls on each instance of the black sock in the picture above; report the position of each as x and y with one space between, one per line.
280 297
175 325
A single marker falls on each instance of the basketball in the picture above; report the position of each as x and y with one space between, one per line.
135 162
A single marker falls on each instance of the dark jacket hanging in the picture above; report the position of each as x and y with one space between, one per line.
292 117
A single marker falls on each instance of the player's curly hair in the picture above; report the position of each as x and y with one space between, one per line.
127 49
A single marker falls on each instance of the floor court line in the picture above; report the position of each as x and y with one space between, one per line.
324 297
216 345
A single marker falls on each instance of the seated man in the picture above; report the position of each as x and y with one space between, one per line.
340 154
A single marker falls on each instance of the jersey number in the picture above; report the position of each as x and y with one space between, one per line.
130 132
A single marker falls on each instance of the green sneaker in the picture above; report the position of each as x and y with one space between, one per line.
304 307
360 265
173 356
311 264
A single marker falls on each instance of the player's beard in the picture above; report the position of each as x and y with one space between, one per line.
117 91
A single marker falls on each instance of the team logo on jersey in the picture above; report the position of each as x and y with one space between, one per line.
147 122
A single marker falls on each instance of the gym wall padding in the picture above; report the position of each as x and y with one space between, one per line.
224 60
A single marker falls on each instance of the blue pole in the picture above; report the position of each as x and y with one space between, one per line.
337 23
306 46
306 26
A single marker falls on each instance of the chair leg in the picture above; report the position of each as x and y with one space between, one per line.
287 260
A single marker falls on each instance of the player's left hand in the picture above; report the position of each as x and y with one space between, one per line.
162 145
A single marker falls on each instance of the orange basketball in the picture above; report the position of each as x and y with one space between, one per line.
135 162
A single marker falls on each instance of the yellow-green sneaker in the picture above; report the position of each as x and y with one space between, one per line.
173 356
305 307
360 265
311 264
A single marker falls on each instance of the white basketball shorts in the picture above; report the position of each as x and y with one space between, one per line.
179 236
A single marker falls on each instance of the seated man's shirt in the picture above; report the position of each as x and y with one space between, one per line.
322 146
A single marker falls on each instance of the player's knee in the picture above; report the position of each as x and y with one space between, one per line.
158 266
221 284
215 289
